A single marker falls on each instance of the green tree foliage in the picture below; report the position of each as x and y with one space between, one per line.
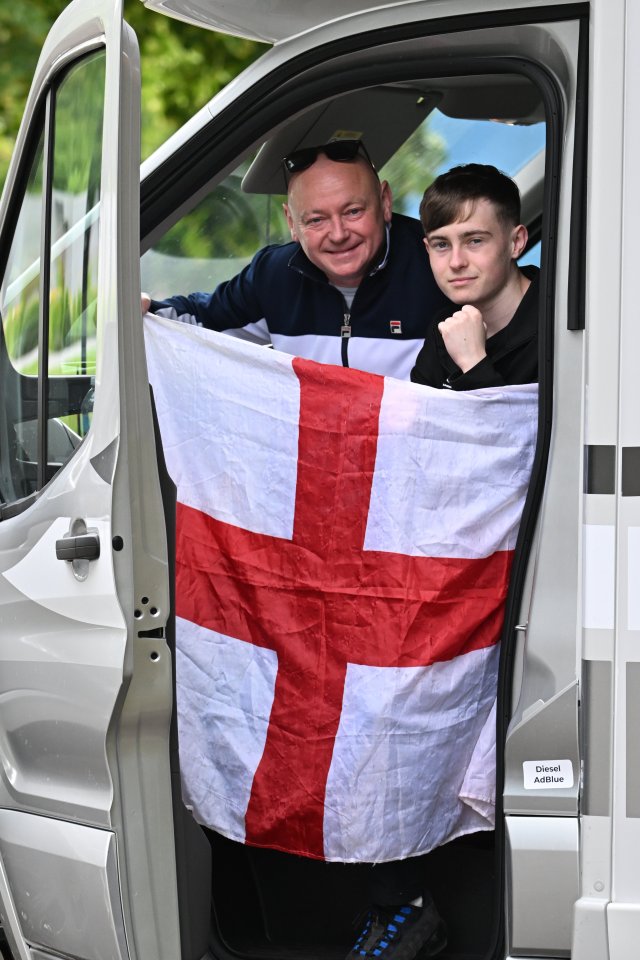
23 27
413 168
182 67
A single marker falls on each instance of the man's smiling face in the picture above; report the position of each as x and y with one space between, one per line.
337 211
472 259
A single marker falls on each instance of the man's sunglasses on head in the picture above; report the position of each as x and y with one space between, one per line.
341 151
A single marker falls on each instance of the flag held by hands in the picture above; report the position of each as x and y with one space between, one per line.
344 543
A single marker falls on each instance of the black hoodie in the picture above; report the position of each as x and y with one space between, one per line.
512 353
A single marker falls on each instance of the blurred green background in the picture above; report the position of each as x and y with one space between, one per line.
169 96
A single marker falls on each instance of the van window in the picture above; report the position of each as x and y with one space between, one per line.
74 237
442 142
47 352
19 356
220 235
215 240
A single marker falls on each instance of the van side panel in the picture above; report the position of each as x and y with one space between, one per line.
624 912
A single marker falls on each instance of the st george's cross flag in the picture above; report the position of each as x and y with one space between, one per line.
344 542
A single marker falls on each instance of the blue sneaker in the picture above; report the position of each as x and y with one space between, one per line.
400 933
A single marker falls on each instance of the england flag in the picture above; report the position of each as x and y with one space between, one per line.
344 543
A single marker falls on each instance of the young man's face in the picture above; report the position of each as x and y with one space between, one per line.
337 212
473 259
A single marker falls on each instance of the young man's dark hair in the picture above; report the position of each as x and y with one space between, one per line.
474 238
444 201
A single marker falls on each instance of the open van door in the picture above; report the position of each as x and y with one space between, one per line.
86 869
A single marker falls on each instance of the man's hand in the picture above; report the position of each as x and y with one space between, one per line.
465 335
145 303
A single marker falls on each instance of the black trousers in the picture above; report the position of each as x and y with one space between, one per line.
397 882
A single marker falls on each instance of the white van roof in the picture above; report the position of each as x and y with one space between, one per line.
269 20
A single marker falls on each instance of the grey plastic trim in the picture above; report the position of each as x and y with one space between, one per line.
104 462
543 869
633 754
631 471
600 469
598 732
547 732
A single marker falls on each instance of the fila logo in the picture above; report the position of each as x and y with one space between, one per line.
395 326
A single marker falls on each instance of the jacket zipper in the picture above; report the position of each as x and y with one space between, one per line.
345 333
345 329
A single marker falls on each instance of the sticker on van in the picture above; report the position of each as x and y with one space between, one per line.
547 774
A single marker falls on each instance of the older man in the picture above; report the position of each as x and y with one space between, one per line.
353 287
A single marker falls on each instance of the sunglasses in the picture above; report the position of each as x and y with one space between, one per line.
341 151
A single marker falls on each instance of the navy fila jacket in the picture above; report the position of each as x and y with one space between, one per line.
283 299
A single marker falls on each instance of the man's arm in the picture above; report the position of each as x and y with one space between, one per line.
233 304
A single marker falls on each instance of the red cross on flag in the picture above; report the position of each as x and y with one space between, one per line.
344 543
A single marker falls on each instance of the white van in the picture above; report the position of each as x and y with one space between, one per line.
99 860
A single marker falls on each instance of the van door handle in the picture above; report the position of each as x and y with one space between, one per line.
84 547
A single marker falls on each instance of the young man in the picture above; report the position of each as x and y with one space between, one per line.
473 236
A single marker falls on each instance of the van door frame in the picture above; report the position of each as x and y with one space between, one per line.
280 93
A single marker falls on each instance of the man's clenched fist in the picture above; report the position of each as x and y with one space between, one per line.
465 335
